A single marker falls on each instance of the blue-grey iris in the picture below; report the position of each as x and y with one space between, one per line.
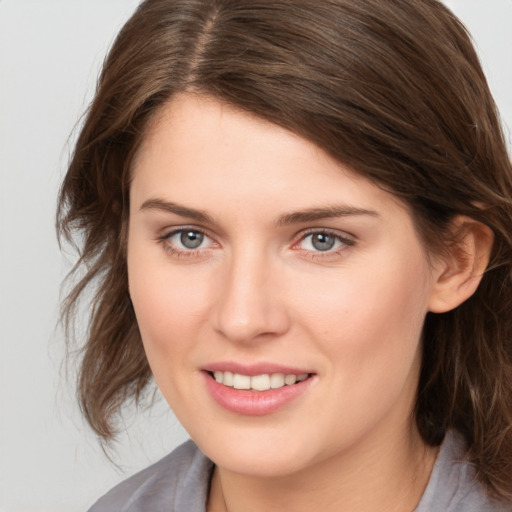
191 239
323 241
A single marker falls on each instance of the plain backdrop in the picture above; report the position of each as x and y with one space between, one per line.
50 54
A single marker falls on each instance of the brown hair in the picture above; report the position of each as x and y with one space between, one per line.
392 88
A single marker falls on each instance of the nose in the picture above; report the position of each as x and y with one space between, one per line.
250 303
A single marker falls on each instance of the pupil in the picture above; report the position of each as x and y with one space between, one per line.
323 242
191 239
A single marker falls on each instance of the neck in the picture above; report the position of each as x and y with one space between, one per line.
378 475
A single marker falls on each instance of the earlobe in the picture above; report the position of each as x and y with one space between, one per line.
459 270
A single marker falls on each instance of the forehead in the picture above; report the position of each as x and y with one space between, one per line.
216 155
189 122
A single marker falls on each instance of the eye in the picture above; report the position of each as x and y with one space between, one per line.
323 241
188 238
185 241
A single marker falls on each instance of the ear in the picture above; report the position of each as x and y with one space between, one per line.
459 270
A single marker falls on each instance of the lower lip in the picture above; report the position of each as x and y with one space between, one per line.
254 403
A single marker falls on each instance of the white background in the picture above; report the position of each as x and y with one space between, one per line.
50 53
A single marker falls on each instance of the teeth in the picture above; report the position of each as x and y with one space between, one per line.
277 380
290 379
258 382
241 381
227 379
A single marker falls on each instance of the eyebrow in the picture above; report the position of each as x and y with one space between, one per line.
182 211
328 212
309 215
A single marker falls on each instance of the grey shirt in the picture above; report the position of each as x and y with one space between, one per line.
180 481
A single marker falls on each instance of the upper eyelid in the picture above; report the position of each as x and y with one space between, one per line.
170 231
343 235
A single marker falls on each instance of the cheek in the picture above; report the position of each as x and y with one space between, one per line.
371 315
169 305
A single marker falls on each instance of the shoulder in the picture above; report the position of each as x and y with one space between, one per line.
453 486
177 482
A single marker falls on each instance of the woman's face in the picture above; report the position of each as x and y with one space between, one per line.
255 259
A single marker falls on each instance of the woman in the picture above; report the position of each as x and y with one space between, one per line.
297 218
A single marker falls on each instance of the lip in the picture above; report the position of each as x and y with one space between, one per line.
254 403
254 369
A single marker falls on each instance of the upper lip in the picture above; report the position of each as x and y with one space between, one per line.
254 368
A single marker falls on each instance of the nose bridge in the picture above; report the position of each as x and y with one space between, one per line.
248 303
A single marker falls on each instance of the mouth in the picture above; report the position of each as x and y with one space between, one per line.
257 390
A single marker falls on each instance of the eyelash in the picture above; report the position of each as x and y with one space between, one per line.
180 253
345 243
190 253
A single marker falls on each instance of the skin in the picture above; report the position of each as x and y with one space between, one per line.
257 290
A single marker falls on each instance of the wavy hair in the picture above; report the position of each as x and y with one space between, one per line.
393 89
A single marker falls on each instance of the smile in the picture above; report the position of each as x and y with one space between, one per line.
253 392
262 382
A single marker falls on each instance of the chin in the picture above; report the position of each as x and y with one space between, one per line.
256 452
258 464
